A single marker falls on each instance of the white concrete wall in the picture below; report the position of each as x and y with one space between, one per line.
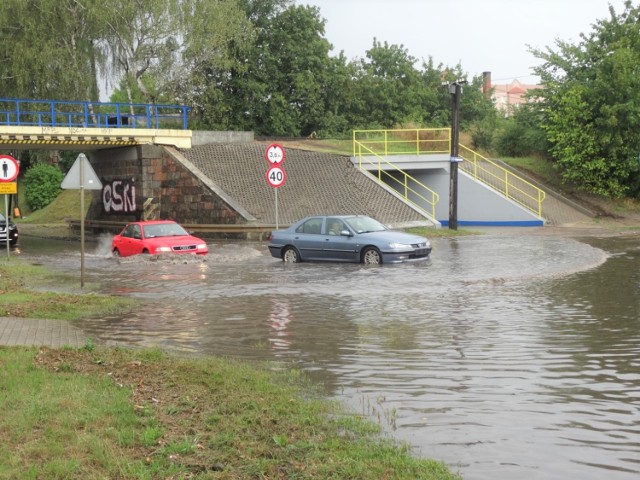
201 137
478 204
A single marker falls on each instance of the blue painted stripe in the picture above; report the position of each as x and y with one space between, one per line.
514 223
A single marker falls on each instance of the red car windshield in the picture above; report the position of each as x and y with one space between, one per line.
164 230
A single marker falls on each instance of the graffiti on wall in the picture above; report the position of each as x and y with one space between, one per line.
119 196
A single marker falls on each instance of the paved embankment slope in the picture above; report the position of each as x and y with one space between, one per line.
316 183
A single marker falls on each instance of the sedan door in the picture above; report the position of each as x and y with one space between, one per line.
131 241
339 242
308 239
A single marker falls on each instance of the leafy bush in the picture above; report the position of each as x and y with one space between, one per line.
42 185
521 136
482 134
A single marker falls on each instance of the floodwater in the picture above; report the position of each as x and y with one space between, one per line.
504 355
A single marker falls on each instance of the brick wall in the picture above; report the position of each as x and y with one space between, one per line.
147 182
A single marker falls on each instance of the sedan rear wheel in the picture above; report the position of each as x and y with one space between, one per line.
290 255
371 256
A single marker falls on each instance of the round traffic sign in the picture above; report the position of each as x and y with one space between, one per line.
9 168
275 154
276 176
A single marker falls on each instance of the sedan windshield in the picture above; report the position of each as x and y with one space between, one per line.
164 230
365 224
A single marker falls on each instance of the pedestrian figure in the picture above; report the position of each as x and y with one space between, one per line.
5 169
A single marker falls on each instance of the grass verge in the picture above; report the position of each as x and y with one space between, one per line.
543 170
439 232
98 413
19 296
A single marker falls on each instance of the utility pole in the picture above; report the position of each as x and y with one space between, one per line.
455 89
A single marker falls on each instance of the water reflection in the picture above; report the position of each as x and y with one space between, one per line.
279 319
503 355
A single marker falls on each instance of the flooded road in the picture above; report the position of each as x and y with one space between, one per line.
506 356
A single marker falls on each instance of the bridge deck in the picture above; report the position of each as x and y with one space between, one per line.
12 137
53 124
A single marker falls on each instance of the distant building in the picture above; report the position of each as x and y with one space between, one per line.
506 97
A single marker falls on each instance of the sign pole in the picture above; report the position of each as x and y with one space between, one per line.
81 224
9 170
276 208
6 220
81 176
276 175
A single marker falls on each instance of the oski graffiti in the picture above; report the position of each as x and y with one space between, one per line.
119 196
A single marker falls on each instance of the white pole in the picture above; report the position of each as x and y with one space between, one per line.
81 220
6 220
276 189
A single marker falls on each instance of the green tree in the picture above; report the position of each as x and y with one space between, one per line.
478 115
49 49
278 85
297 72
161 50
340 96
390 89
42 185
591 104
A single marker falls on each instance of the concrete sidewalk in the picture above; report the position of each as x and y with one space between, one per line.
39 332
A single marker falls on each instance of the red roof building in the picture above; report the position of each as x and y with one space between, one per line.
507 97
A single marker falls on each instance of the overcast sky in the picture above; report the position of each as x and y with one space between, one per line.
481 35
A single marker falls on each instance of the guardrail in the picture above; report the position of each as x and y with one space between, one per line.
414 141
114 227
53 113
405 184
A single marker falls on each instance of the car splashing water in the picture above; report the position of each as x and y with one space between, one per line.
504 355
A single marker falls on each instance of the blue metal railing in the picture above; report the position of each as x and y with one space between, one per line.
52 113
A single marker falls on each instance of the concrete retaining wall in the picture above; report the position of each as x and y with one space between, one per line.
207 137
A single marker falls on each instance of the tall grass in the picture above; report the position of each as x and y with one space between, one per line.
97 413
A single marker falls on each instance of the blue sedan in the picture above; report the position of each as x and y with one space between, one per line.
346 238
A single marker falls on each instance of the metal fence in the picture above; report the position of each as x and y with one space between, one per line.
53 113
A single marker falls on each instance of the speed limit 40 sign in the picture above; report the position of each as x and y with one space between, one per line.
276 176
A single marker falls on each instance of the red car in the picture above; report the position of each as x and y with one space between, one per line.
156 237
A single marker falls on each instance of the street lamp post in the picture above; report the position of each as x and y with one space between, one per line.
455 89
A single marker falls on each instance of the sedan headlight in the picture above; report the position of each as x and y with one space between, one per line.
163 250
400 246
201 246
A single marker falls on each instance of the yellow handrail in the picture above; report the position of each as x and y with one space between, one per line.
406 183
499 178
413 141
419 141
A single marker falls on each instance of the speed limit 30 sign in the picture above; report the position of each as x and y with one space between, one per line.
276 176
